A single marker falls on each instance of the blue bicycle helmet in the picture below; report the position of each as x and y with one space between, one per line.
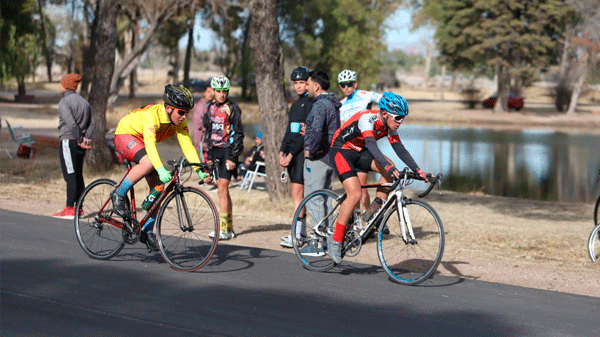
394 104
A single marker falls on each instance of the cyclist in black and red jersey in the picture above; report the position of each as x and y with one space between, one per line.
354 147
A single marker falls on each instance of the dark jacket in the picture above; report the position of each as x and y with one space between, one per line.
294 142
321 124
75 117
223 123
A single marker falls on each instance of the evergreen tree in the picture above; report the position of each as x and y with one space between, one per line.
513 36
19 41
338 34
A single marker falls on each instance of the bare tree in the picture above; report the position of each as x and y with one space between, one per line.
268 63
589 60
104 40
587 42
154 13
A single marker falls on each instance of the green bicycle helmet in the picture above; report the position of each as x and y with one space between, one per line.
220 83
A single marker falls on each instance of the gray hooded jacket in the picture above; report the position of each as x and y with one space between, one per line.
75 117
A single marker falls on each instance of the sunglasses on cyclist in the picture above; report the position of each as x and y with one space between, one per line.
181 112
346 84
398 118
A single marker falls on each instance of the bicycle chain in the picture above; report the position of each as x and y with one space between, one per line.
131 230
352 243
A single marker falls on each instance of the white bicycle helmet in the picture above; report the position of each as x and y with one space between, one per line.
347 76
220 83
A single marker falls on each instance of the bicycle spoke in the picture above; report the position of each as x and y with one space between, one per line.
184 223
322 208
412 262
98 238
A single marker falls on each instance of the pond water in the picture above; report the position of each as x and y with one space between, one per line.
532 163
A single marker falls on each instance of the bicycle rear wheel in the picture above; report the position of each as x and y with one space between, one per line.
183 224
594 244
93 216
411 263
322 208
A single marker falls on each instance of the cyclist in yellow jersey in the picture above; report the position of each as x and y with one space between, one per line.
136 137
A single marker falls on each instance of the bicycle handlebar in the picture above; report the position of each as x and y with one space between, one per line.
182 162
406 174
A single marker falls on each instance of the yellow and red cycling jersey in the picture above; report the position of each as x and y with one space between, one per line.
151 124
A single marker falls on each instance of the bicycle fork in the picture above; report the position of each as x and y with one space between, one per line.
181 204
405 223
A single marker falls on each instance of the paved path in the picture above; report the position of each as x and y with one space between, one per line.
50 287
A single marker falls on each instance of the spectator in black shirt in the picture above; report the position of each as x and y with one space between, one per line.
291 152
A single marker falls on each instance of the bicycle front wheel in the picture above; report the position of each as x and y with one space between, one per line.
95 226
408 262
594 244
597 212
322 208
183 224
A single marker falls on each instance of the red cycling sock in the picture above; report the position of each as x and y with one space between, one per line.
340 230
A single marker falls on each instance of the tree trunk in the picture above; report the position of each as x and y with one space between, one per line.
561 93
503 89
47 54
244 67
578 86
104 41
442 83
174 65
427 70
188 52
88 57
268 64
21 91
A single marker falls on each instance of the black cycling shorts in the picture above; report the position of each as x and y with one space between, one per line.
296 169
348 162
222 154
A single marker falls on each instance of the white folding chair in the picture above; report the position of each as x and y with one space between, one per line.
251 176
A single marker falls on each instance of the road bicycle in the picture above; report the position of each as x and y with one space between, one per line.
186 215
410 235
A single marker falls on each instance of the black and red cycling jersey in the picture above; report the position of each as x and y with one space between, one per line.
362 131
223 123
363 124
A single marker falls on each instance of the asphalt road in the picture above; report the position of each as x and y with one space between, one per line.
49 287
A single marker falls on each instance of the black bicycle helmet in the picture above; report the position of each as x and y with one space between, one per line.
300 74
178 97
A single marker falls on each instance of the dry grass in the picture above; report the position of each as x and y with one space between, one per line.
507 240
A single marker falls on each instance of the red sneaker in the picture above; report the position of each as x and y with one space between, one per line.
67 213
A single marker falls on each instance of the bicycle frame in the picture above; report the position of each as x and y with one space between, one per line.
118 223
395 196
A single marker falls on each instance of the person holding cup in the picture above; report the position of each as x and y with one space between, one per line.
291 156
